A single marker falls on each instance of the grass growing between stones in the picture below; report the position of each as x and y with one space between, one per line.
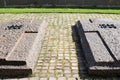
57 46
59 10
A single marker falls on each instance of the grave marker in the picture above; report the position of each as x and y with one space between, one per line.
20 42
101 45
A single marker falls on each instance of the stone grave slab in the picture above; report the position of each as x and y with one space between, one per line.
20 42
100 41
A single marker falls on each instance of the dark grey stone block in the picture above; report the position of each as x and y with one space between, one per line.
101 46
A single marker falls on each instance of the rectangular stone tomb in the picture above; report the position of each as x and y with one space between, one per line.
20 43
100 41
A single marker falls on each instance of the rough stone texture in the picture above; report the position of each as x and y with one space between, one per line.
52 78
100 45
34 78
22 47
61 78
71 79
19 46
100 53
57 43
43 79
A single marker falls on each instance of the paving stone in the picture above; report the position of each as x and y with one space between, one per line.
36 74
59 23
60 57
52 78
61 78
24 79
44 71
76 71
52 67
76 75
51 75
78 78
52 64
68 74
73 55
9 79
67 68
74 58
74 64
67 57
34 78
45 67
52 61
42 75
67 71
76 68
71 78
43 79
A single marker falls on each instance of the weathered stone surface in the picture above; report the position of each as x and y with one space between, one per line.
71 78
62 78
52 78
101 45
100 53
34 78
20 42
22 47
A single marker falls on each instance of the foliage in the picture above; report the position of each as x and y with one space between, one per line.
59 10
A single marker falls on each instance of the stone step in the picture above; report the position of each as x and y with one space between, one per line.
15 63
14 71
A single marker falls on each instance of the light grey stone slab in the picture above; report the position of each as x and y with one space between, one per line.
61 78
21 50
8 79
43 78
34 78
52 78
20 42
71 78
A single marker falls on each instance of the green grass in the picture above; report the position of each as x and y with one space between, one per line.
59 10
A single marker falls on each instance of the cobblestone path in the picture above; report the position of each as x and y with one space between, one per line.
58 59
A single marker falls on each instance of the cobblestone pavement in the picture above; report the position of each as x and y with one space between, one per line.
58 59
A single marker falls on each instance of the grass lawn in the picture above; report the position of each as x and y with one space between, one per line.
59 10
